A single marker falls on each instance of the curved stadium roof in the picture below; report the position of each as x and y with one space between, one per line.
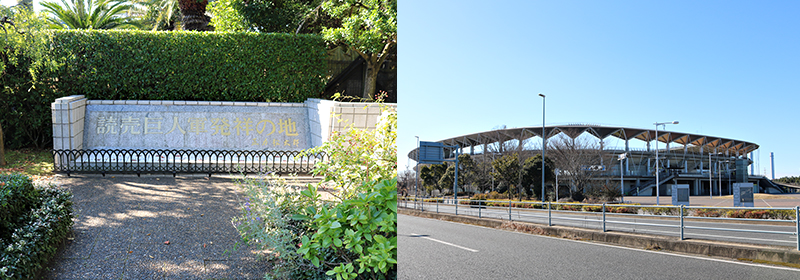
625 133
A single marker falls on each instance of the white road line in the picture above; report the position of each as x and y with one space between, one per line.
631 249
765 202
444 242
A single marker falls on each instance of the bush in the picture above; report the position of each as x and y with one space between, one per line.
266 222
355 235
17 198
35 240
209 66
144 65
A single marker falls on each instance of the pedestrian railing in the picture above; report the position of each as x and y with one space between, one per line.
140 161
761 222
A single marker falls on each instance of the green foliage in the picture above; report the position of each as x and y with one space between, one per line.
353 236
17 197
361 230
35 239
25 105
266 222
357 156
260 15
532 174
789 180
507 171
39 67
431 174
206 66
746 214
103 14
368 26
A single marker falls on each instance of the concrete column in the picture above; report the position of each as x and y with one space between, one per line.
68 117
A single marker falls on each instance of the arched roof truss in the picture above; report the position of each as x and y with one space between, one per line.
602 132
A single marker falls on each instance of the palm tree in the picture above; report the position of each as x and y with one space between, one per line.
194 15
162 13
103 14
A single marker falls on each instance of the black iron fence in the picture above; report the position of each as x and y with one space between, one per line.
183 161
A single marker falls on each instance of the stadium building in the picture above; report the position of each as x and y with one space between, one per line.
706 163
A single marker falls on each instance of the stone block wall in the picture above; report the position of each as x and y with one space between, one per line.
323 116
68 120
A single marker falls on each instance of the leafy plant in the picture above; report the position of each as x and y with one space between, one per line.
358 156
266 222
362 231
102 14
35 236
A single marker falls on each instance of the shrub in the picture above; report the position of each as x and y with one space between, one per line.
361 231
128 64
210 66
17 197
35 240
666 211
496 195
266 222
355 235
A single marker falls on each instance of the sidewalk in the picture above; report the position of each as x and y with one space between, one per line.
122 223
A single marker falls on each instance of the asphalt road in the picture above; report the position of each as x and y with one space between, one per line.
433 249
646 225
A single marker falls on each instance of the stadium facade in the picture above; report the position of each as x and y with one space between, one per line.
705 163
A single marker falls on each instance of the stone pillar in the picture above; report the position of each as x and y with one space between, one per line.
68 115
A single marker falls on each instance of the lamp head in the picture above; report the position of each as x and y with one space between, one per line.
674 122
542 95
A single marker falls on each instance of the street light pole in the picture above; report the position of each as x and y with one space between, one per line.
710 181
622 157
416 178
658 185
544 145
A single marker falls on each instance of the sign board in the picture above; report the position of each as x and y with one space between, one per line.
743 194
196 127
430 152
680 195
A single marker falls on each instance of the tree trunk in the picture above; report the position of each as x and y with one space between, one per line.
194 15
371 80
2 148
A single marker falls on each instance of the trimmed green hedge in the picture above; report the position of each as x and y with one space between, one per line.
144 65
207 66
38 233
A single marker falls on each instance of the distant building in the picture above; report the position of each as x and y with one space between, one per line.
700 161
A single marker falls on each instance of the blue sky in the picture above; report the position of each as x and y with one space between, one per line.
722 68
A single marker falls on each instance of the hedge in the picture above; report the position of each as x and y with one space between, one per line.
146 65
36 236
206 66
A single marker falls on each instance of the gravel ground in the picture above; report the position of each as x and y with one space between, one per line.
154 227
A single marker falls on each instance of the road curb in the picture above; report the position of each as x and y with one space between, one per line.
699 247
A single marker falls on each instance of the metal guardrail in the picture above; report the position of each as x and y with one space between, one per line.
682 214
183 161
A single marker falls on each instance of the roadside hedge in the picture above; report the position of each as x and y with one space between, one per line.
35 237
206 66
146 65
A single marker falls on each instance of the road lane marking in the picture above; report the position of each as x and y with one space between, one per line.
717 259
765 202
444 242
